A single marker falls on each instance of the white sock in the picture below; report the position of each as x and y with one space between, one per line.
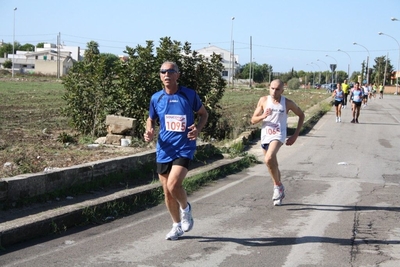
186 209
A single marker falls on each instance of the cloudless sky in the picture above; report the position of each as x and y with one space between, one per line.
285 33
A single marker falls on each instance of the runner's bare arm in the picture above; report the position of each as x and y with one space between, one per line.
149 133
196 129
290 105
259 113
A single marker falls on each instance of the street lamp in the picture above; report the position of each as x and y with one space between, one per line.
367 59
313 74
231 56
252 73
334 69
251 63
12 71
398 62
319 79
348 66
326 76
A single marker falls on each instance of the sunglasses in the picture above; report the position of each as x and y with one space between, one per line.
163 71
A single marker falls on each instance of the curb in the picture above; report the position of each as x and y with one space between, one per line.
54 221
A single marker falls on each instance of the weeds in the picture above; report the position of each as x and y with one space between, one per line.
86 139
65 138
56 229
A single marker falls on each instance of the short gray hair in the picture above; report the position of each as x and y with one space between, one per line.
172 63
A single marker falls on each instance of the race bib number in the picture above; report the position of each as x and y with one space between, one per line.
356 98
272 128
175 123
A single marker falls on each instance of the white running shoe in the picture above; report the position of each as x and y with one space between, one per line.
187 219
279 194
175 233
340 119
337 119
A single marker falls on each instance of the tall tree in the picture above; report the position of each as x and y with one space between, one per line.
378 73
91 51
341 76
259 73
7 48
96 88
90 92
27 47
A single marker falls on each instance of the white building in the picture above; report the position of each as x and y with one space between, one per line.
227 59
44 60
75 51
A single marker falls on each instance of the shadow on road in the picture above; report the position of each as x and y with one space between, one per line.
287 241
339 207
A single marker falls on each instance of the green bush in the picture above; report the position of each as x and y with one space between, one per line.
98 86
7 64
293 84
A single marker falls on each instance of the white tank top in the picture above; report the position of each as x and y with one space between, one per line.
274 126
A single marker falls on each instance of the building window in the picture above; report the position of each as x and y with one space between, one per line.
52 58
224 73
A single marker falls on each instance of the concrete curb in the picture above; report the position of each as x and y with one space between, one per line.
55 220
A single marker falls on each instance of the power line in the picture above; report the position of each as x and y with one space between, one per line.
193 44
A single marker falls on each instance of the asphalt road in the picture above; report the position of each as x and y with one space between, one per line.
342 208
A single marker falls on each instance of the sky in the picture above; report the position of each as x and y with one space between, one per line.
285 34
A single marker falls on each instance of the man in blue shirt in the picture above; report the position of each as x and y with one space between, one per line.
175 107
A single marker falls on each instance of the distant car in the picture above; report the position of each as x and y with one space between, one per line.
317 86
331 87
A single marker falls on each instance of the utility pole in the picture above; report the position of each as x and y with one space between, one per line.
251 64
384 75
233 63
58 56
12 71
230 55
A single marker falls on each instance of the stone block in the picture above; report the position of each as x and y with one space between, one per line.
114 139
119 124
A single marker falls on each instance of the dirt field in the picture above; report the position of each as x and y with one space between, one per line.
30 126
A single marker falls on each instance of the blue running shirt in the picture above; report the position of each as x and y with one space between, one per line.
339 95
176 114
357 96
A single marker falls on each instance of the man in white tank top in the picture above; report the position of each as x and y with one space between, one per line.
272 110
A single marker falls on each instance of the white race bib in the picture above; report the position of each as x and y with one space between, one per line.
272 128
175 123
